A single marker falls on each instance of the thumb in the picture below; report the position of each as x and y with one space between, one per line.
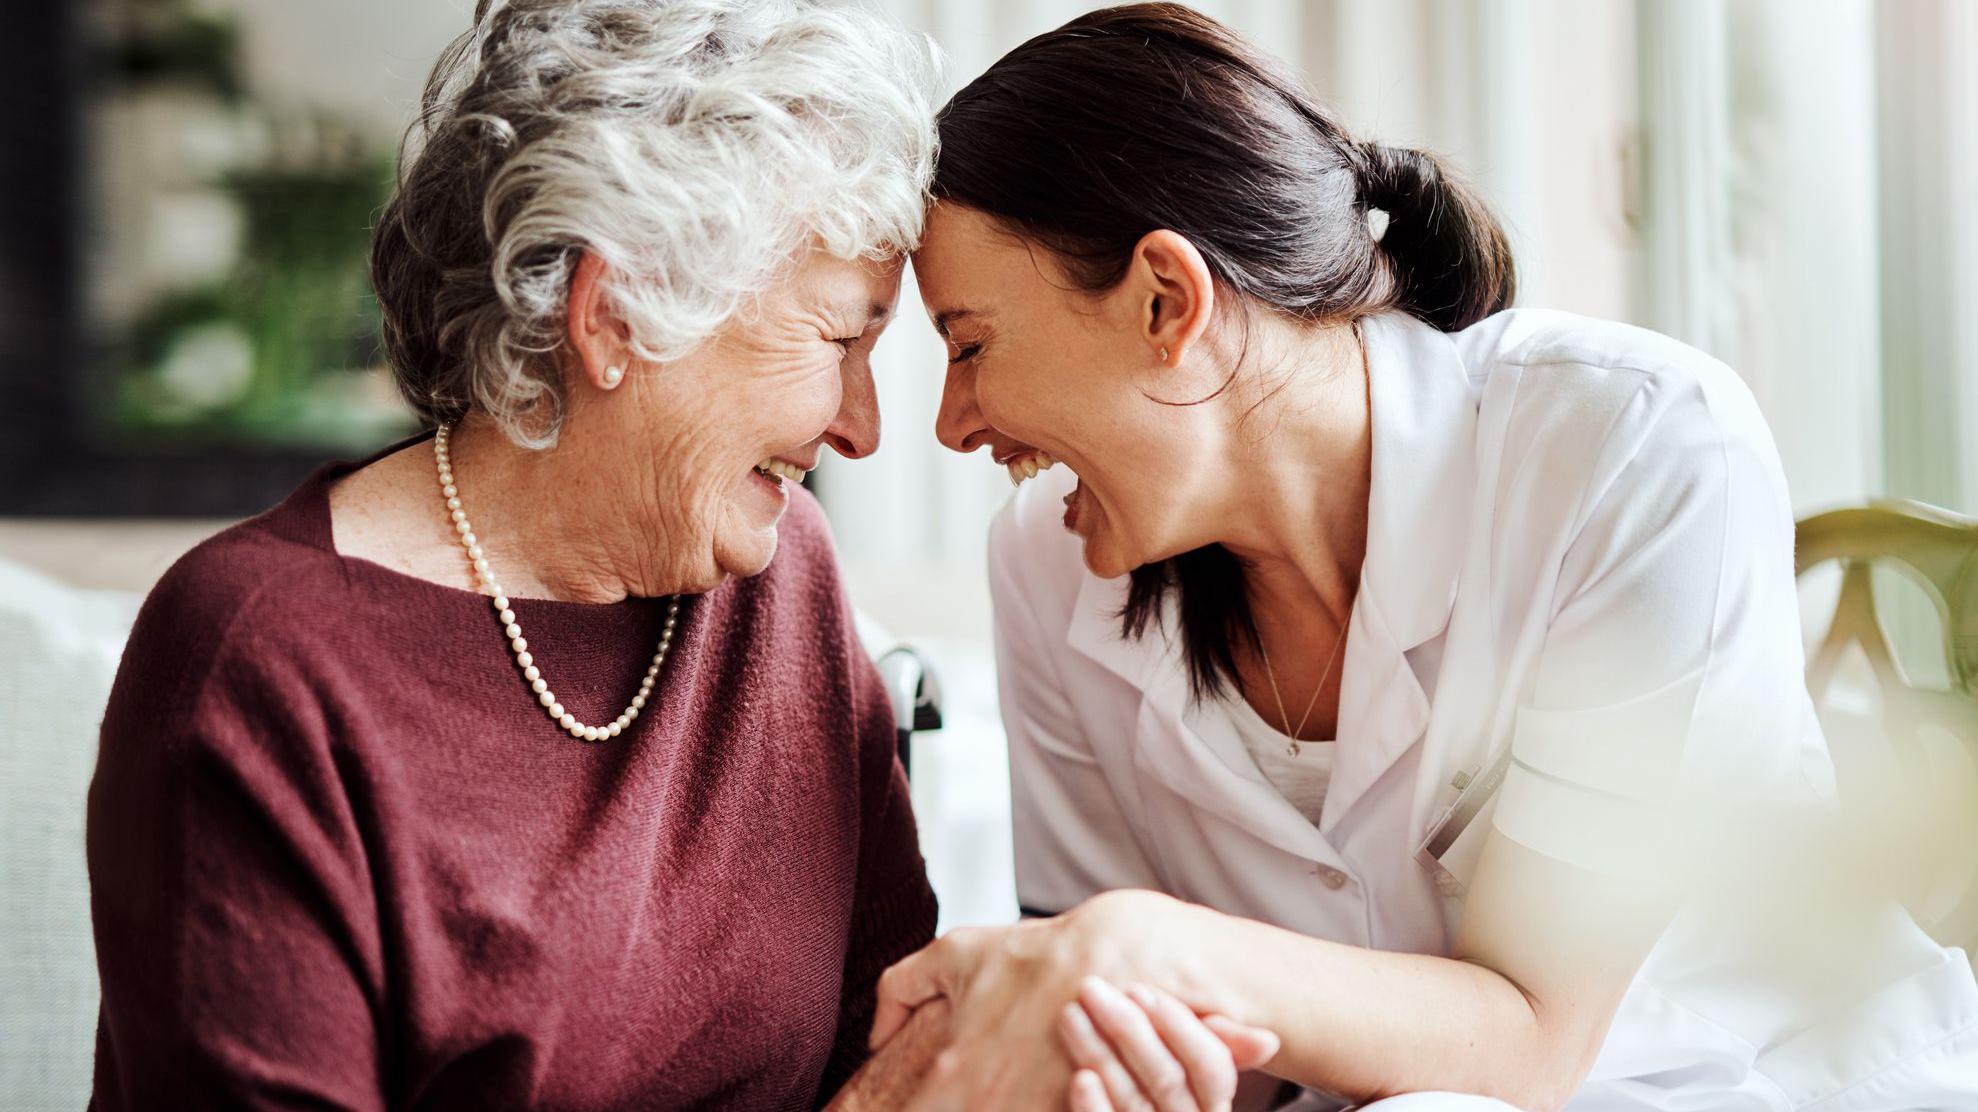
1251 1047
906 985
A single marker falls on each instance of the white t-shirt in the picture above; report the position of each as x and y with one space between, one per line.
1300 779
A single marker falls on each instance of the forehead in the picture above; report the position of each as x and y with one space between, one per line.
963 252
822 280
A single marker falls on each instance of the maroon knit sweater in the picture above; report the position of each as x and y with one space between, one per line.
340 858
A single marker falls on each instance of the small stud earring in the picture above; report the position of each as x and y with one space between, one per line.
1164 355
613 375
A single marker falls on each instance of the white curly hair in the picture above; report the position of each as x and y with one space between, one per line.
692 145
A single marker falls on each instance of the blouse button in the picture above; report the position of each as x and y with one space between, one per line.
1332 878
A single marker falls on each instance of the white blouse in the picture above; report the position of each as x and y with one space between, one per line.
1578 592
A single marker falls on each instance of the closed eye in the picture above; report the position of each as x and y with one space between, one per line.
845 342
963 353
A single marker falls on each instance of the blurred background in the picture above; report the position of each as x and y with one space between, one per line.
186 188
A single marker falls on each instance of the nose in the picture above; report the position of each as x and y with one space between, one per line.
854 431
960 425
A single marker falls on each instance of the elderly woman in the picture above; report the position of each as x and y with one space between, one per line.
534 762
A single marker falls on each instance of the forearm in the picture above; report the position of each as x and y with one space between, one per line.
893 1074
1548 952
1367 1023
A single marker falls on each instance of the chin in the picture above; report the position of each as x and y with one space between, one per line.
1104 563
1107 555
745 557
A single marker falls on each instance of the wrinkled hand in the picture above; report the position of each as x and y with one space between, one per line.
1010 986
890 1078
1143 1050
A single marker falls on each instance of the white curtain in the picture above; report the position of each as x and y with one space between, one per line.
1927 155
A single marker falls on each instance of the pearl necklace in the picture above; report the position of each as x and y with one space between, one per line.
530 672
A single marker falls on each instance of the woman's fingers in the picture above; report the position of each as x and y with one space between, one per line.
1130 1030
1088 1093
1209 1063
1250 1046
1094 1056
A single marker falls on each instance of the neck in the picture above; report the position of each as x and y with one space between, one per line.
1299 461
556 523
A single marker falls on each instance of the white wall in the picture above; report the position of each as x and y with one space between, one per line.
366 59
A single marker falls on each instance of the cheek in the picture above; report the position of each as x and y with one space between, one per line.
1034 397
752 412
777 409
1076 419
795 399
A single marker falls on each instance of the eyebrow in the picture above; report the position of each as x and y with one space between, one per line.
875 313
943 319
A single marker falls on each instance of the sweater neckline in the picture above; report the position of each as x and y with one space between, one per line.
307 514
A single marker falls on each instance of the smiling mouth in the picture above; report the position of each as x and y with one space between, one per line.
1028 465
777 470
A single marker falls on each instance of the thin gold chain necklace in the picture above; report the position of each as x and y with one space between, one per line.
1291 748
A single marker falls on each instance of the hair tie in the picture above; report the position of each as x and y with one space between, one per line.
1377 223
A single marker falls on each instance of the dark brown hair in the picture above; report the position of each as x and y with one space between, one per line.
1147 116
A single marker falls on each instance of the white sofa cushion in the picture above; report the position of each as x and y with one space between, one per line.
59 649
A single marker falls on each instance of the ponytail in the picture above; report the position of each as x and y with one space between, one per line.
1450 260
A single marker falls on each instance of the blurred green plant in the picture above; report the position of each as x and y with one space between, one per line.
299 301
285 349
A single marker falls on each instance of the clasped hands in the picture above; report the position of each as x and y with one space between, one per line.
1084 1010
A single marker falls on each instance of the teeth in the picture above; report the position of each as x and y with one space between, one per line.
1027 467
778 469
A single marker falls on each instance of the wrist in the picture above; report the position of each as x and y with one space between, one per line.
1202 962
1169 943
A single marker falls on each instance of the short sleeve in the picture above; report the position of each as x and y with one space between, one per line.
1671 666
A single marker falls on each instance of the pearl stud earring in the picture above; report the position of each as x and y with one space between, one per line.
613 375
1164 355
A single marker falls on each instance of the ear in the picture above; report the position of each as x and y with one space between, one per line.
597 338
1174 293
